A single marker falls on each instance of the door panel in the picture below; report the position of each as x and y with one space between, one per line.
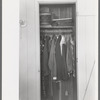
23 53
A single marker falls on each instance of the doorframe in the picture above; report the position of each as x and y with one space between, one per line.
37 30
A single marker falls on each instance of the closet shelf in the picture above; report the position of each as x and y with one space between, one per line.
56 27
62 19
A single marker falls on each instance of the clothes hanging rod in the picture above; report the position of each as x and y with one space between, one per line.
56 27
56 31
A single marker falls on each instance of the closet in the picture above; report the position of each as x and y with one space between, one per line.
58 52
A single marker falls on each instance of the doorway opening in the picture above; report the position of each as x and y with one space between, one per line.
58 51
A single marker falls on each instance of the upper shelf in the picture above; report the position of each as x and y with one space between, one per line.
62 19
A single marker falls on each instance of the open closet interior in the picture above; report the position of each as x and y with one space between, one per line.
58 52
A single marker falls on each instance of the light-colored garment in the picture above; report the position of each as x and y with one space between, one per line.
52 60
63 41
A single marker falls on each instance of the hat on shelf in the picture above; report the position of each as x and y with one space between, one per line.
45 17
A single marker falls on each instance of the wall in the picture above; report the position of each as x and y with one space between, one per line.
86 39
10 49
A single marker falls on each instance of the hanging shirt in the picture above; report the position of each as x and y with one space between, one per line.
52 60
63 41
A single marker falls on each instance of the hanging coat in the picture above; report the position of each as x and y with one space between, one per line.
45 56
69 56
60 60
64 66
52 60
46 75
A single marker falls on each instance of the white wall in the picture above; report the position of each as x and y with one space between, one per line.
87 51
10 50
86 54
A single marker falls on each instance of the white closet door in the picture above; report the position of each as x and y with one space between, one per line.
23 49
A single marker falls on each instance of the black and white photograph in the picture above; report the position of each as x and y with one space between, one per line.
50 50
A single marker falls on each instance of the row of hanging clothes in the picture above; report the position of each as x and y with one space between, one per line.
57 60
